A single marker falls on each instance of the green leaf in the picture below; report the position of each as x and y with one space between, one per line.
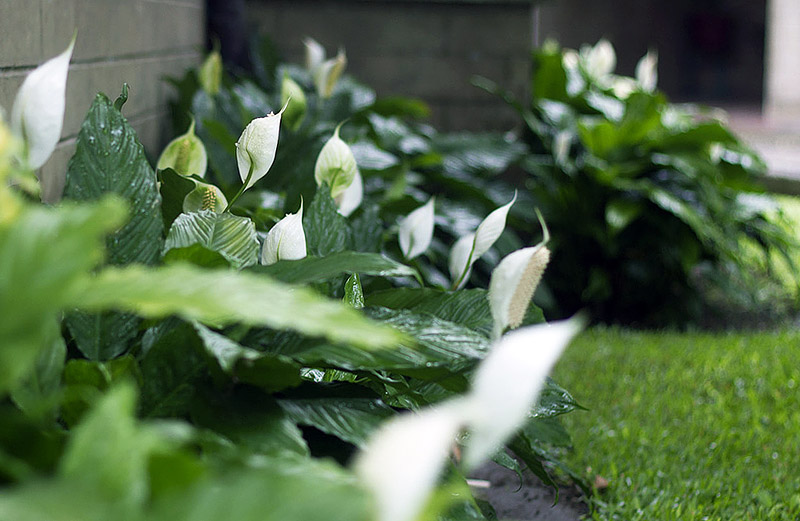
109 159
38 394
349 419
231 236
280 489
171 369
326 229
45 253
353 293
468 308
108 452
269 372
370 157
439 348
316 269
250 419
86 381
225 297
104 335
174 188
198 255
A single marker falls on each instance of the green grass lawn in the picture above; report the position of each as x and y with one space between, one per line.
687 426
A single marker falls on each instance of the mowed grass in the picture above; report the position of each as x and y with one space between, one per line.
687 426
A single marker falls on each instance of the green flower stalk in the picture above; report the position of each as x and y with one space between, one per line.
294 98
210 73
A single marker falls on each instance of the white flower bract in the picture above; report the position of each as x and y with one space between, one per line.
416 230
37 115
403 460
647 72
336 166
256 147
513 283
470 248
286 240
507 384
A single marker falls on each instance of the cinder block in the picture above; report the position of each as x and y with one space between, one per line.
9 85
490 29
20 33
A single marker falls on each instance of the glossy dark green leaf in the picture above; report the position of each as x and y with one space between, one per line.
318 269
269 372
468 308
349 419
250 419
326 229
174 188
172 368
110 160
39 393
231 236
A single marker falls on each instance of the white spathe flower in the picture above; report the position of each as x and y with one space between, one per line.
513 283
286 240
315 54
37 115
336 166
623 86
205 197
507 384
416 230
328 73
647 71
402 462
599 61
185 154
352 196
470 248
255 150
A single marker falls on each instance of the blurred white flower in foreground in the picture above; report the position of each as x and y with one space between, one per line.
402 462
599 60
470 248
38 111
286 240
416 230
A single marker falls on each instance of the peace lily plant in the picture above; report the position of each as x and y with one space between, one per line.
286 240
324 73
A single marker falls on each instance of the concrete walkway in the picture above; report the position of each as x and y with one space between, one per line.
778 144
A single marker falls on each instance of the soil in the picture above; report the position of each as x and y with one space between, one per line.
530 500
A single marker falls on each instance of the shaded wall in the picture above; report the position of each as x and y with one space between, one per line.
423 49
134 41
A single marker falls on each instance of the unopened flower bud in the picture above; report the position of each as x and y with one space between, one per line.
416 231
286 240
210 73
294 98
336 165
255 150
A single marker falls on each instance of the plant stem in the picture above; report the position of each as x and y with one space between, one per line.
244 186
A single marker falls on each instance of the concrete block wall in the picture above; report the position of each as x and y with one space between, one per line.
422 49
134 41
